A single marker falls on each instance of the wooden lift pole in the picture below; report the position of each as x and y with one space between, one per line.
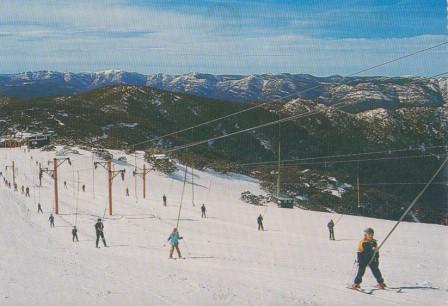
111 174
13 173
55 176
144 181
13 167
40 175
54 172
279 161
144 172
357 187
192 184
110 178
278 170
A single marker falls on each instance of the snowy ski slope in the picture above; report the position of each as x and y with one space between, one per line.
228 262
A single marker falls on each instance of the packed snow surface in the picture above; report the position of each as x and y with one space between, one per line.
227 260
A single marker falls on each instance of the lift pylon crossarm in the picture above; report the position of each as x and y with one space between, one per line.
102 164
42 171
115 173
106 167
50 171
60 161
46 170
144 171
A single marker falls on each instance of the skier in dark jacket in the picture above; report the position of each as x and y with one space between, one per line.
331 229
260 223
99 229
27 192
75 234
39 208
51 219
366 250
164 200
203 209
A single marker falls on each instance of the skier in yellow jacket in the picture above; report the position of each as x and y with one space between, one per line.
366 250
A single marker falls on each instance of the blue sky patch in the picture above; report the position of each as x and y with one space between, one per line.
174 36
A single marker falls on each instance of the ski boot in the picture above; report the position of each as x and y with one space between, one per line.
381 286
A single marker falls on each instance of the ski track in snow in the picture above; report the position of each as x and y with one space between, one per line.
227 261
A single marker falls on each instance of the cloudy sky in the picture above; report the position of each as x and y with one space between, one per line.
222 37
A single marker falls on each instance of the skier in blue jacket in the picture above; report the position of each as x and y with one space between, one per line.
173 239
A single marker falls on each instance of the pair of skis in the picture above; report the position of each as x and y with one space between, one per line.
394 289
372 289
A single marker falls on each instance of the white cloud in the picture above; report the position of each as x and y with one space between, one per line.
93 35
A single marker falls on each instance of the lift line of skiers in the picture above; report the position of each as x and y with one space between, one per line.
366 256
24 190
99 229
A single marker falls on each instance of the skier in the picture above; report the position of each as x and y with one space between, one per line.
99 228
65 184
203 211
27 192
366 249
75 234
23 189
331 229
164 200
51 219
39 208
173 239
83 188
260 223
127 191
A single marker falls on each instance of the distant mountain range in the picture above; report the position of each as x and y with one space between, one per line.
361 92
